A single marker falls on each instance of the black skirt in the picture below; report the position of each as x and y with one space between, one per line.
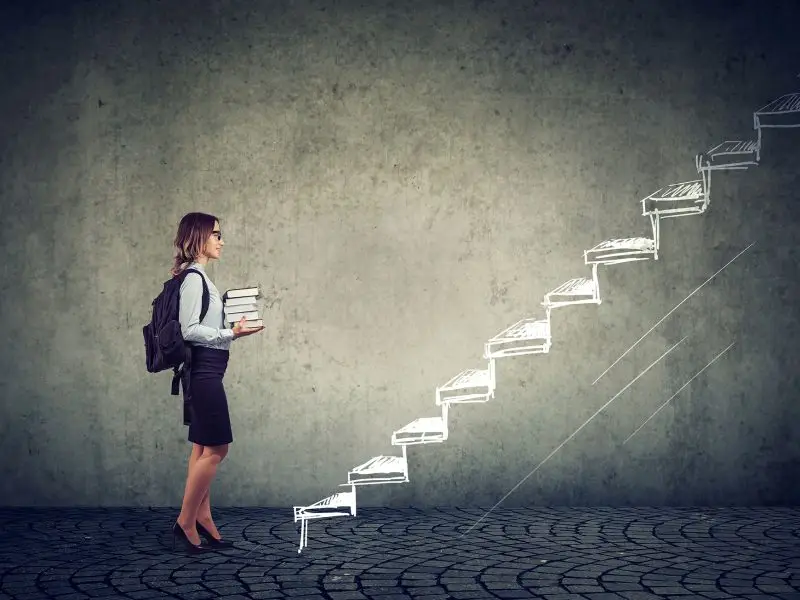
205 403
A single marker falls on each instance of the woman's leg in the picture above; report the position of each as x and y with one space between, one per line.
204 510
194 455
201 473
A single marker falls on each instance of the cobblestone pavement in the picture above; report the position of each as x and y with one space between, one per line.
599 554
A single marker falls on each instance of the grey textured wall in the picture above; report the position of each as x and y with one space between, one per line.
404 180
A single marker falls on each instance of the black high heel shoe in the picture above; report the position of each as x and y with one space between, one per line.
178 532
212 541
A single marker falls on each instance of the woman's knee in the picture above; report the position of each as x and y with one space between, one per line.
216 453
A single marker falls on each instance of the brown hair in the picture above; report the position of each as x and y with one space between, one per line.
193 233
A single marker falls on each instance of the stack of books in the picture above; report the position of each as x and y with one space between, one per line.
241 302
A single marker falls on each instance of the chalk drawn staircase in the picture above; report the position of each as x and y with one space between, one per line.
532 335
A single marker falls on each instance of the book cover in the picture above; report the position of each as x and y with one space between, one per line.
240 292
239 301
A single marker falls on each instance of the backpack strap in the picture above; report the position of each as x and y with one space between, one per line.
176 379
206 294
206 299
179 372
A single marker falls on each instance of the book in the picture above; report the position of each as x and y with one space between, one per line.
240 292
254 323
239 301
241 308
234 317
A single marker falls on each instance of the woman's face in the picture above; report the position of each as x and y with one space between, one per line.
214 242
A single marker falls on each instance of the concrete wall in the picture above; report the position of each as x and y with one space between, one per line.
404 180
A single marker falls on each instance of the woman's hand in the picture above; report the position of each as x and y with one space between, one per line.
240 330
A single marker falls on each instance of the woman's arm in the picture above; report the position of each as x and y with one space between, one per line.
191 303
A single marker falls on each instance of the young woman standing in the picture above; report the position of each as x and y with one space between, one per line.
199 240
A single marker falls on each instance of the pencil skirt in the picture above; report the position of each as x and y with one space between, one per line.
209 419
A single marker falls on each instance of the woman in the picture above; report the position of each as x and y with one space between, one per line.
199 240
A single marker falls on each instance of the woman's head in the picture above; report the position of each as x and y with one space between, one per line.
198 239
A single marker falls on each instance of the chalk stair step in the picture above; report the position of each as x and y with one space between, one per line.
378 470
620 250
676 200
581 290
425 430
733 155
470 385
526 336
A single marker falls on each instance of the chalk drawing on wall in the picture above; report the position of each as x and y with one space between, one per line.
425 430
574 433
733 155
781 113
674 308
471 385
526 336
342 504
711 362
378 470
581 290
533 335
621 250
681 199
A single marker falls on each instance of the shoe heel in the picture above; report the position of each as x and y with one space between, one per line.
210 539
177 530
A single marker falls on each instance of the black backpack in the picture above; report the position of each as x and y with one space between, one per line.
163 342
